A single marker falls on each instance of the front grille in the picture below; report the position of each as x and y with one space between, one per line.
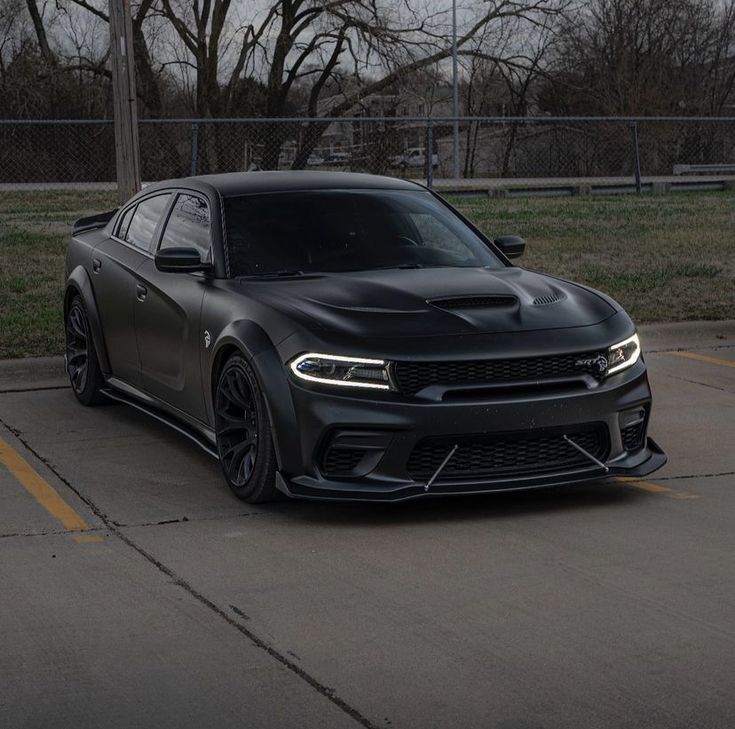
341 461
412 377
633 436
489 455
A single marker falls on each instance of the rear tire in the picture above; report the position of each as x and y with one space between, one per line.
82 364
244 437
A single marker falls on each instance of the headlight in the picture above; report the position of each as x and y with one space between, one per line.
334 369
623 355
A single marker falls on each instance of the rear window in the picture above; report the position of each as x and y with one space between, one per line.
145 221
347 230
122 226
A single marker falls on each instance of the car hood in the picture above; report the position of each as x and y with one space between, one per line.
431 302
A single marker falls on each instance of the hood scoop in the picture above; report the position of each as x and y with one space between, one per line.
548 299
474 302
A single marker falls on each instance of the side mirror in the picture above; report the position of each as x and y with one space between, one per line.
180 260
512 245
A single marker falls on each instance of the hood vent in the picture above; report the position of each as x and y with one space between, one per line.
547 299
474 302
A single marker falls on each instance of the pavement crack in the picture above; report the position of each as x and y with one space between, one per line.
185 519
47 533
665 350
696 382
696 475
329 693
11 390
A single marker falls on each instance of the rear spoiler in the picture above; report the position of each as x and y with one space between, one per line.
92 222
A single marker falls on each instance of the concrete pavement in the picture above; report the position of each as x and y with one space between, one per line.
609 605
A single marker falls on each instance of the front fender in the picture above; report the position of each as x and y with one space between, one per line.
250 340
78 282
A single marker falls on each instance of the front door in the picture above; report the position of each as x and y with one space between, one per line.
167 320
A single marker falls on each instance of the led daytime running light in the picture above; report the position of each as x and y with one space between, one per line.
630 359
356 362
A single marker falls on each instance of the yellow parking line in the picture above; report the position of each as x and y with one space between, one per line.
705 358
654 487
43 492
87 538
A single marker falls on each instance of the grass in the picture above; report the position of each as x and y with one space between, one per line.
33 232
665 258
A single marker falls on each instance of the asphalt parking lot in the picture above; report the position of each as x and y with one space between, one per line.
136 592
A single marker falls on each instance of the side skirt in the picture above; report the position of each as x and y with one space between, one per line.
203 437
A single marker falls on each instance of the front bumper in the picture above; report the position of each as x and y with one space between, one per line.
649 459
397 425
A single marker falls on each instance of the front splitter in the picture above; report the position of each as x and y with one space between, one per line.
650 459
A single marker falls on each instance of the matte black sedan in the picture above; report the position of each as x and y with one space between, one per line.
331 335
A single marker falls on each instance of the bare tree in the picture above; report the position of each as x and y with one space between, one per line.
642 57
306 45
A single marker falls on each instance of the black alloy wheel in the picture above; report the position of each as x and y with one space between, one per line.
244 441
81 358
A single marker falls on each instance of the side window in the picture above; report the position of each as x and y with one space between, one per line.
145 221
122 226
188 225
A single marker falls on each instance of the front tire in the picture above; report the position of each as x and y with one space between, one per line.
244 439
82 364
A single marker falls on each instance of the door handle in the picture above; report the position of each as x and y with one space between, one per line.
96 265
141 292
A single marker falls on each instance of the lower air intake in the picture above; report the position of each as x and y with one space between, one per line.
485 456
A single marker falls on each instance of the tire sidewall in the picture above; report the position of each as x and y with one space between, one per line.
91 394
261 483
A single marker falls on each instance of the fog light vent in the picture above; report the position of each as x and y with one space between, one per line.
341 461
633 428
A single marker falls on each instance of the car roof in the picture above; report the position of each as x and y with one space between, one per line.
241 183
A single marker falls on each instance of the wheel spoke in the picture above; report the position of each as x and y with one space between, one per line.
79 377
236 392
77 352
78 326
237 450
79 355
236 427
241 453
247 466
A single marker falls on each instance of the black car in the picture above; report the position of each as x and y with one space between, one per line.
343 336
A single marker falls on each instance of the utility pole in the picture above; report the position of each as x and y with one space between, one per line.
127 151
455 94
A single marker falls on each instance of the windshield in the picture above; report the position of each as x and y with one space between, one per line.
347 230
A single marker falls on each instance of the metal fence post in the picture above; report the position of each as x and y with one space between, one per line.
429 154
636 155
194 148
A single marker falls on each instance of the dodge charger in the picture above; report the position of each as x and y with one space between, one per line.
344 336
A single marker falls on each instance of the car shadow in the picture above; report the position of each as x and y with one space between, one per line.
502 505
606 494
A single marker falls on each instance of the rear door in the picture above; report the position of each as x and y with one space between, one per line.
168 320
115 263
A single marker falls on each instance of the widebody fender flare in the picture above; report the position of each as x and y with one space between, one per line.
78 282
250 340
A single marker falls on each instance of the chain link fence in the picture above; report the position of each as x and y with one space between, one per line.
44 154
